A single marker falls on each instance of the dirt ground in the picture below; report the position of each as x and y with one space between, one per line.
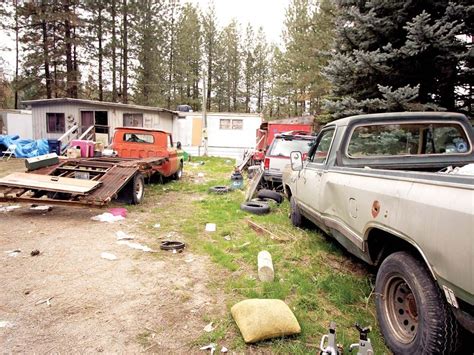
152 302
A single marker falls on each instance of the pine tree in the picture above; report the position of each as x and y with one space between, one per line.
393 55
210 39
249 67
261 68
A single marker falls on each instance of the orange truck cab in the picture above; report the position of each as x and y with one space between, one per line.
142 143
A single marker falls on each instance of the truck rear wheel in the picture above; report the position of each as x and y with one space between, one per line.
413 316
134 191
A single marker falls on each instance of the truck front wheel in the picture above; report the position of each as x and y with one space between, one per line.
413 316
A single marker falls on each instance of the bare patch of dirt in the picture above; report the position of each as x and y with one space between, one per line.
142 301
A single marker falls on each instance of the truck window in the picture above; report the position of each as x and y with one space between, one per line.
407 139
282 147
138 138
320 154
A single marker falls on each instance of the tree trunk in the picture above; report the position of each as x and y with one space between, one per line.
101 56
16 53
69 65
47 74
125 54
114 58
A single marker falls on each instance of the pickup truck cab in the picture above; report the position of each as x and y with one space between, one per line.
375 183
131 142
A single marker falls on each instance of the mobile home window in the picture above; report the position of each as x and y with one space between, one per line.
55 122
226 123
133 119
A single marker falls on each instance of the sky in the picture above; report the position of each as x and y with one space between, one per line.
268 14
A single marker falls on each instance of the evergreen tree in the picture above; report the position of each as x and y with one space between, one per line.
249 67
394 55
210 39
261 68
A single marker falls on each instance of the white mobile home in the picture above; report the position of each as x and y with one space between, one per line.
16 122
53 117
229 134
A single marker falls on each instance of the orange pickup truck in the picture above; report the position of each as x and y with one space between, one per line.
139 143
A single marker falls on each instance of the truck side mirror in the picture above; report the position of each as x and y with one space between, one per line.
296 159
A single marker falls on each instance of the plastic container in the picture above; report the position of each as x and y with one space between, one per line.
86 147
54 146
237 180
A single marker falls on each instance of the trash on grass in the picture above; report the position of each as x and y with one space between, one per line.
210 227
211 347
9 208
188 260
107 217
123 236
200 175
209 328
5 324
157 226
35 252
44 208
224 349
137 246
120 211
13 252
265 266
108 256
227 237
47 301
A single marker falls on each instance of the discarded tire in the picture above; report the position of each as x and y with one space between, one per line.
255 207
273 195
219 189
171 245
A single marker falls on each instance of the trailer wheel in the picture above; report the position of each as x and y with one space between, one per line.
134 192
414 317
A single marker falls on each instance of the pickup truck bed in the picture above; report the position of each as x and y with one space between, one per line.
112 174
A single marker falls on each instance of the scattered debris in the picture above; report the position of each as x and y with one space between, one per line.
35 252
13 252
120 211
108 256
5 324
211 347
224 349
9 208
137 246
123 236
210 227
261 230
244 245
47 301
107 217
227 237
220 189
190 260
44 208
200 175
202 162
157 226
265 266
209 328
463 170
172 245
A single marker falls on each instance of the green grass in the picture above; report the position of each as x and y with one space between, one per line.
311 272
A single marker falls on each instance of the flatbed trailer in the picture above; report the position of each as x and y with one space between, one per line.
92 181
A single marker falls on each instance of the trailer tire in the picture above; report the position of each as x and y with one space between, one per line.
179 174
273 195
413 316
255 207
135 190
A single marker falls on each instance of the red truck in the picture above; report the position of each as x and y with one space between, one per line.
267 131
142 153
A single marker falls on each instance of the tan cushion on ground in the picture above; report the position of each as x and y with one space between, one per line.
263 319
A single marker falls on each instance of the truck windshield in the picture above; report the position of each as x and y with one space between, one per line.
408 139
283 147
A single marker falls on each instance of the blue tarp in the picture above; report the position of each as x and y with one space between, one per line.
25 148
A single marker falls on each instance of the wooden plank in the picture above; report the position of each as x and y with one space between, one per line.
49 183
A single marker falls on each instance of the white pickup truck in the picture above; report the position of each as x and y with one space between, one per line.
375 183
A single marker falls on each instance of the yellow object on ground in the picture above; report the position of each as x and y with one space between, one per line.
260 319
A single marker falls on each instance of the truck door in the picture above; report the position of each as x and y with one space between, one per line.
309 181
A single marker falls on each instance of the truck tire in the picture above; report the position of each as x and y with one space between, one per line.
255 207
179 174
295 215
413 316
135 189
273 195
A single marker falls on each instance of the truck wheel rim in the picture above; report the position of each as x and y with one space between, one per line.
401 309
138 189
